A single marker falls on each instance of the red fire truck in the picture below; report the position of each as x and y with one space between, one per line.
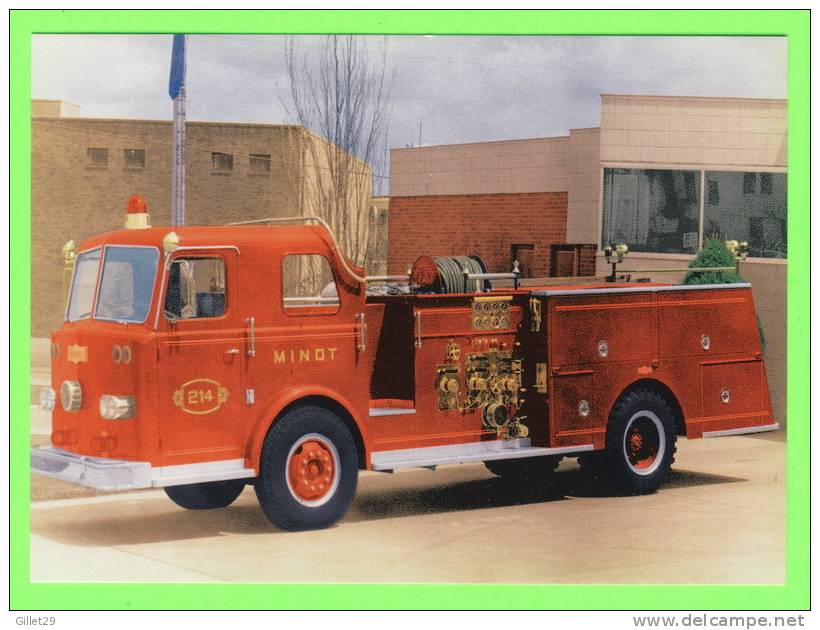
202 359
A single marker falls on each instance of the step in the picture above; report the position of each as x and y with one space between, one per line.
465 453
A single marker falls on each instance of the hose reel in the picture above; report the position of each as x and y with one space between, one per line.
445 274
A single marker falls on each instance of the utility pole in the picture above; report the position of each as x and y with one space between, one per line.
176 90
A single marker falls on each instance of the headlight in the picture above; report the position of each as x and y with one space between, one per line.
117 407
71 395
48 398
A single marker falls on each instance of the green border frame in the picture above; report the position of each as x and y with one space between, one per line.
794 595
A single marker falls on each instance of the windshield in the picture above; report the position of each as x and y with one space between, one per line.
81 297
127 283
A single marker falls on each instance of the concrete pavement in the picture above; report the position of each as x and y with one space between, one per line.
719 519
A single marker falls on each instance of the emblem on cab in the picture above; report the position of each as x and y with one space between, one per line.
200 396
77 353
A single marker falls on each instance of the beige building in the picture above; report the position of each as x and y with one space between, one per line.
84 170
661 174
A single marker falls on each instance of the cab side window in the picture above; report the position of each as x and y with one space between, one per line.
196 288
308 285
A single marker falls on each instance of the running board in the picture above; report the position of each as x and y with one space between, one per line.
390 411
465 453
742 431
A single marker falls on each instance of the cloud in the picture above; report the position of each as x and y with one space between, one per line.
461 88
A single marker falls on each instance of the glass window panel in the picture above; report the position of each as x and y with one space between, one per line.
134 158
83 285
758 218
307 281
222 161
259 163
196 288
97 156
127 283
766 184
749 183
714 192
652 210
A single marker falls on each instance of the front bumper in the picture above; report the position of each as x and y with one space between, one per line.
92 472
116 474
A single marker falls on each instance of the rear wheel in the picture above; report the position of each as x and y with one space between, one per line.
308 470
206 496
527 470
640 442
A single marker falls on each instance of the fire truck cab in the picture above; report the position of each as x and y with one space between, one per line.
202 359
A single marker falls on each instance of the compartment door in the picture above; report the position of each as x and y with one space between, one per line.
733 395
573 414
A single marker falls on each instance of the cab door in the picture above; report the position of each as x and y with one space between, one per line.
310 335
201 347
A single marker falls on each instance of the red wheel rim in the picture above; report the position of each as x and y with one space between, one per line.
312 470
644 443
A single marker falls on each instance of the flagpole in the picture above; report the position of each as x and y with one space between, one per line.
177 93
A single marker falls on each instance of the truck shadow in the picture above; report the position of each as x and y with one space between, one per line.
576 483
157 520
495 492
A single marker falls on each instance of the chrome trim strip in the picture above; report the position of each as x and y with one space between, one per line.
119 475
191 248
638 289
742 431
92 472
198 473
465 453
390 411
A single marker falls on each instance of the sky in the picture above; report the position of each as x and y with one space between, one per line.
457 88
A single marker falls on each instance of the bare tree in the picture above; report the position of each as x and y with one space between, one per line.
341 96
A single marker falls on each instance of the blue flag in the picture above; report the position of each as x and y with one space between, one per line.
177 79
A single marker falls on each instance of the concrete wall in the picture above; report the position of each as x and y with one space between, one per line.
513 166
584 186
693 131
54 109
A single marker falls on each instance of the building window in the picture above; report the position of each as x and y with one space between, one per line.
221 162
749 183
714 192
652 210
758 219
134 158
97 156
259 163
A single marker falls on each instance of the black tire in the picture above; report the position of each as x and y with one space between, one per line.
527 470
640 442
308 470
206 496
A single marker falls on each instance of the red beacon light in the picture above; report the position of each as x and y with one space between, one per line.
136 217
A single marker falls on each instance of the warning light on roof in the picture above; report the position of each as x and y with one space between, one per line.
136 217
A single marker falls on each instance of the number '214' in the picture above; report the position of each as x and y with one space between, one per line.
198 396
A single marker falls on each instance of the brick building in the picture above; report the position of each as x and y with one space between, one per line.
661 174
84 170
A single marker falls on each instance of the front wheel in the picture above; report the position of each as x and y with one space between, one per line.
206 496
308 470
640 442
